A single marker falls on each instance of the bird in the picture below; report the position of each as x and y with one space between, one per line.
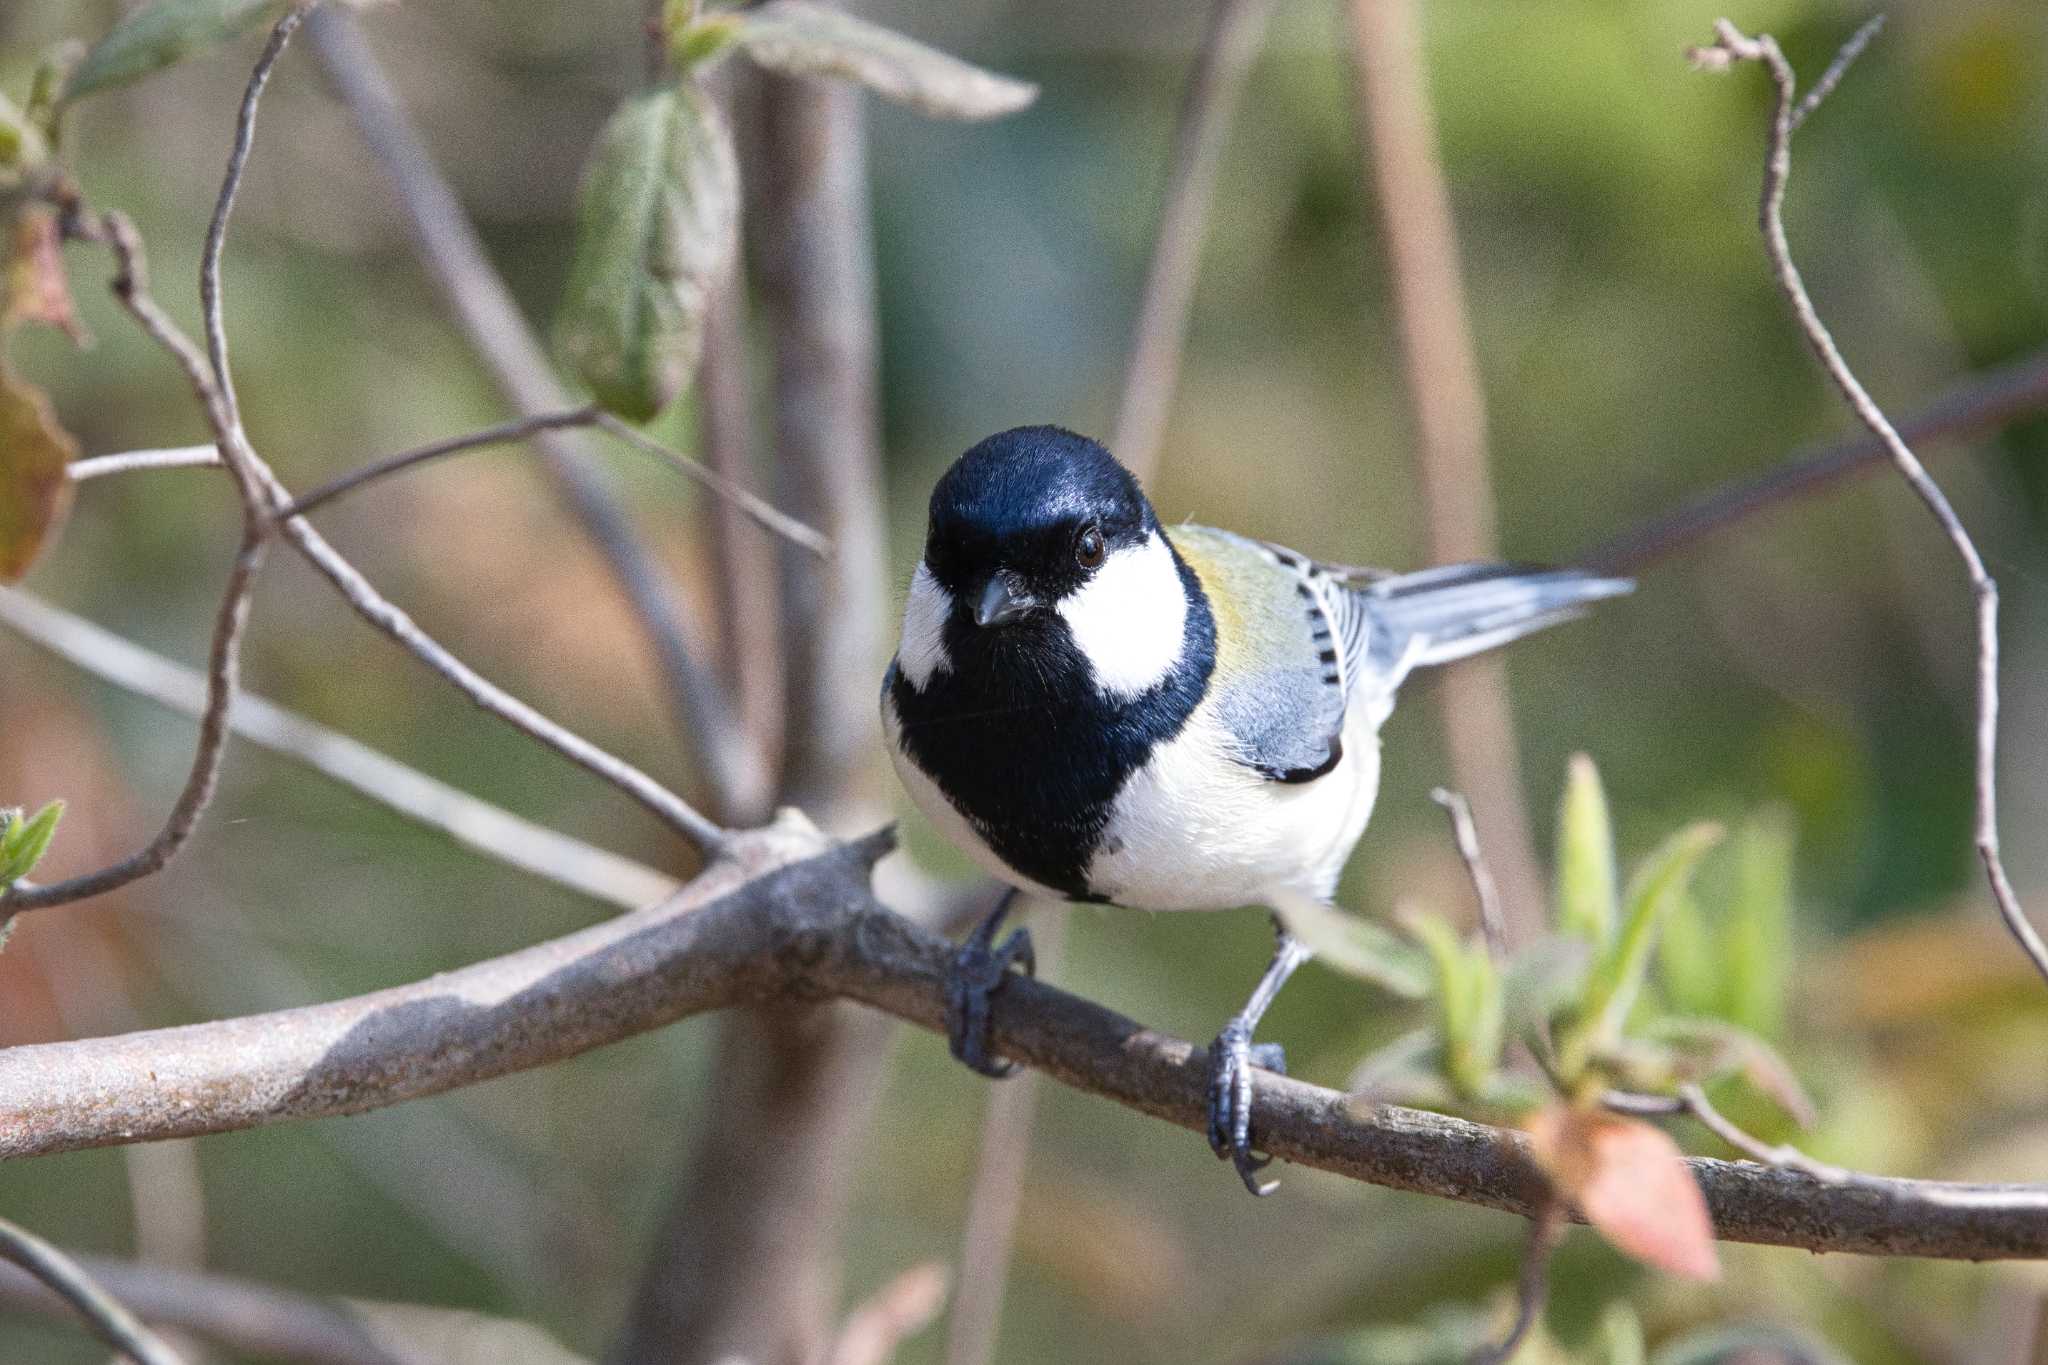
1098 707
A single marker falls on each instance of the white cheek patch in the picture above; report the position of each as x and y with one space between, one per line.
923 651
1130 617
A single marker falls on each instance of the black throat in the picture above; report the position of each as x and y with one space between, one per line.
1021 742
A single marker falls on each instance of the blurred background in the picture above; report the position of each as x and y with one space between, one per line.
1633 351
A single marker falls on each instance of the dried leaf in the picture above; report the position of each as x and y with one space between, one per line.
162 34
35 491
1357 947
803 39
1631 1183
36 287
658 224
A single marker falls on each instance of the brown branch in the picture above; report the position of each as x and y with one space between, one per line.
1492 922
787 917
1731 45
1224 60
1976 405
1447 398
483 308
1532 1286
257 1319
757 509
110 1322
518 429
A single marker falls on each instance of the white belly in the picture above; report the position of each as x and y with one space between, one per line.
1195 830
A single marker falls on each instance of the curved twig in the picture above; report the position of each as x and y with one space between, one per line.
516 430
1731 45
109 1321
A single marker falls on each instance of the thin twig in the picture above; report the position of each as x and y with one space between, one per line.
1208 105
483 308
516 430
1532 1287
109 1321
223 680
1735 46
475 823
764 515
1491 921
134 461
1978 404
789 917
1692 1100
1837 68
1447 397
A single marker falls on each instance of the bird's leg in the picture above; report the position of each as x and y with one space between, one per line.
979 970
1231 1059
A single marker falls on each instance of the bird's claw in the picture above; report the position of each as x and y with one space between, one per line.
1231 1059
980 968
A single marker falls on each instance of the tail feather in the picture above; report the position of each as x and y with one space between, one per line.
1440 615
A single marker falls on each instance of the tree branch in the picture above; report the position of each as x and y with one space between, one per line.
788 916
1229 47
519 429
109 1321
1732 46
483 308
471 821
1448 401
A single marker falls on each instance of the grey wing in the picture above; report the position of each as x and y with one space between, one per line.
1281 676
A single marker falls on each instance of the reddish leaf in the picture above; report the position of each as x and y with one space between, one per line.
1631 1182
36 288
35 491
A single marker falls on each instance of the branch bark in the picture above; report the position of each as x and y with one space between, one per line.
787 917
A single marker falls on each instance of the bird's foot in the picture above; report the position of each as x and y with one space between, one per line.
980 968
1231 1059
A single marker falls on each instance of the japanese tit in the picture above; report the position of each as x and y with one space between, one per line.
1097 707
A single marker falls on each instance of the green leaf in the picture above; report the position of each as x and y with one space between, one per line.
658 225
1471 1011
803 39
1753 1341
1408 1070
1585 856
35 491
1757 931
1542 979
1357 947
697 43
24 842
1617 977
1689 961
22 146
161 34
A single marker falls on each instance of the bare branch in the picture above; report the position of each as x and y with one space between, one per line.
902 1308
469 820
483 308
1491 921
1229 47
1777 169
110 1322
516 430
223 679
1979 404
1692 1100
1448 400
262 1320
135 461
1837 69
1532 1287
763 514
788 916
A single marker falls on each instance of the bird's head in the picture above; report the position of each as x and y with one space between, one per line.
1039 540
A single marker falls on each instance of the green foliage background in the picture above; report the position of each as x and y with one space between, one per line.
1633 351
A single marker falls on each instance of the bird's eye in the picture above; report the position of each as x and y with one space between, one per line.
1089 547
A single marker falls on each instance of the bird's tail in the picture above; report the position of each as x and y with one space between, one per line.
1439 615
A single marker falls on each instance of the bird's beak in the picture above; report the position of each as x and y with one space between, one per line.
1002 602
